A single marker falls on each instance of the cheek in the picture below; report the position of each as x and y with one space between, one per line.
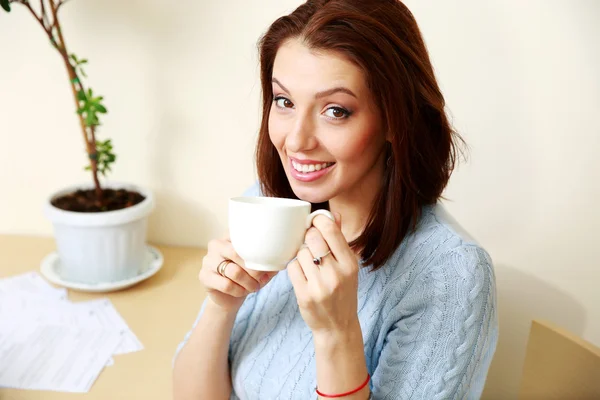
358 146
276 131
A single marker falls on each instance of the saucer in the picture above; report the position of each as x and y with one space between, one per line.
48 267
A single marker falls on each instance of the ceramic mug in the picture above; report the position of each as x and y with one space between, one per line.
267 232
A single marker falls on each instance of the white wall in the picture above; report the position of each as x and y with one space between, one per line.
522 82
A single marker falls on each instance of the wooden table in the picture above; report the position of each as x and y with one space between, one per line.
159 310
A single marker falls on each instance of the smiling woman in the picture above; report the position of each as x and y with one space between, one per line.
390 300
325 115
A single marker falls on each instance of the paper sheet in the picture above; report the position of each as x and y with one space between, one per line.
102 314
31 283
48 342
53 357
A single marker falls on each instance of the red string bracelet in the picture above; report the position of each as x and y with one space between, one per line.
332 396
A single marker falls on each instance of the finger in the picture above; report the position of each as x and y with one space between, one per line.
213 260
338 218
240 276
266 277
315 242
311 271
297 277
224 285
225 249
333 236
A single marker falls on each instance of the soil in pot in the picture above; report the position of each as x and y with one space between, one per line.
86 200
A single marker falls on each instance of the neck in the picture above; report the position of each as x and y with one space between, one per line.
355 205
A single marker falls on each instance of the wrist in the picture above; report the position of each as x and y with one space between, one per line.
350 335
216 309
341 362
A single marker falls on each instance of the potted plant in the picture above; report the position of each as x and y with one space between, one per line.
100 230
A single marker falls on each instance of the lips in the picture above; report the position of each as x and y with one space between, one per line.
309 170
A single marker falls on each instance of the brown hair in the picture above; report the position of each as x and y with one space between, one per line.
382 38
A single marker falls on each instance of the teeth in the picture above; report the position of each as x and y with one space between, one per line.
306 168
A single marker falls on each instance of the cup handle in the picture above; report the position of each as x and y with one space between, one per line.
312 216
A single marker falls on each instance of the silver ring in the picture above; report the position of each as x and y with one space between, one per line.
317 260
221 267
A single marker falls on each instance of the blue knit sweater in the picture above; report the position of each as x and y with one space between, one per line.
428 319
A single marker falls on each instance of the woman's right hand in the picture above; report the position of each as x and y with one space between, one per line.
229 291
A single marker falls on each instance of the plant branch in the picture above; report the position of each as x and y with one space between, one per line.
60 3
35 15
76 86
95 161
56 25
42 19
46 22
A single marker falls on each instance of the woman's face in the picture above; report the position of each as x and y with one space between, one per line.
324 125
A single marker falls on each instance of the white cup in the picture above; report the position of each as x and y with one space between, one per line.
267 232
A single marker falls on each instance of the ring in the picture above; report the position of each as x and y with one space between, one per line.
317 260
221 267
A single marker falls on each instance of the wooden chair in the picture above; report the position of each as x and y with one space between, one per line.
559 366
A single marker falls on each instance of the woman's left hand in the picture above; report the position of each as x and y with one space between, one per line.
327 294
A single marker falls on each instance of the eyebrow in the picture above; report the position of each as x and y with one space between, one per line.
324 93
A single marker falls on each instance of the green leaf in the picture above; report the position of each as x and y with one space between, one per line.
101 108
91 120
83 72
84 61
81 95
5 5
80 110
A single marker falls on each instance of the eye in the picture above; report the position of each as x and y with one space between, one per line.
282 102
337 113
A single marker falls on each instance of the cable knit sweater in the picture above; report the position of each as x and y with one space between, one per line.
428 319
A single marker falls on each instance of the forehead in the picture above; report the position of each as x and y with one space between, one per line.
296 66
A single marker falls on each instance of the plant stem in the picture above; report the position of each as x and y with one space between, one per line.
90 140
99 192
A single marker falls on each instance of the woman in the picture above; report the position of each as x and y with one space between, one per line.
390 301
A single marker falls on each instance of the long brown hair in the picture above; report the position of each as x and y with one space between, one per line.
382 38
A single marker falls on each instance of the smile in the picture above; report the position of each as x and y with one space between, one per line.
308 170
305 168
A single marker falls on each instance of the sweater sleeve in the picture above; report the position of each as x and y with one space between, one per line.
241 320
253 190
443 332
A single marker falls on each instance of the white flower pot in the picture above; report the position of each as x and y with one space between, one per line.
100 247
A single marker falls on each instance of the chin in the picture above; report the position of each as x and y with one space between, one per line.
312 195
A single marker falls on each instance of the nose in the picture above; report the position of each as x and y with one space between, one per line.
302 137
